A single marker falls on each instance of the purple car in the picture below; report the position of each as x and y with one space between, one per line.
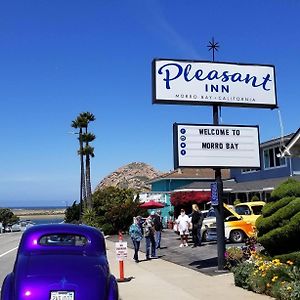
61 262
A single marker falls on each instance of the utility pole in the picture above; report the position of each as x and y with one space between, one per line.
219 209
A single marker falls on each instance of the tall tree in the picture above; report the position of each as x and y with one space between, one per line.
88 152
79 123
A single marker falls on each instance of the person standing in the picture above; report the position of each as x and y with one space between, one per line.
149 238
136 235
183 222
197 219
158 227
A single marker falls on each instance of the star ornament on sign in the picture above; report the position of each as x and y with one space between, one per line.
213 46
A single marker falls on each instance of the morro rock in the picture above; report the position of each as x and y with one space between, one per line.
134 176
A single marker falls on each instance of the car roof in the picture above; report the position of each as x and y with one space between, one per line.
30 240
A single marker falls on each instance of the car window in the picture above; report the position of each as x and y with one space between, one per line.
211 213
243 210
62 240
257 209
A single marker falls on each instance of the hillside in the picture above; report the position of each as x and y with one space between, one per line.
134 175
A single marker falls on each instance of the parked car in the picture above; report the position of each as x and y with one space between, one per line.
236 228
250 211
1 228
61 261
15 227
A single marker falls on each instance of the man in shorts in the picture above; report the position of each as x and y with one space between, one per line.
183 222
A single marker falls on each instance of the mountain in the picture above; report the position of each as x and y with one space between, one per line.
134 175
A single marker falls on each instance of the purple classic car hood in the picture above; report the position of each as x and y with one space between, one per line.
41 274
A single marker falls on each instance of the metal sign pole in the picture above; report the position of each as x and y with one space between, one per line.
219 209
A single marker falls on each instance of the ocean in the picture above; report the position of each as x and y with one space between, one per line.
37 214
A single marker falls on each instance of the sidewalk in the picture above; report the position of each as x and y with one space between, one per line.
162 280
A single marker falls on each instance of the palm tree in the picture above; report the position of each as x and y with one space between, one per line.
79 123
88 151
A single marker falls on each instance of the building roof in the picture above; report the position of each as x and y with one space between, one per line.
292 147
275 141
240 187
191 174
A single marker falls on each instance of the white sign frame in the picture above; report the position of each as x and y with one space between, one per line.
213 83
216 146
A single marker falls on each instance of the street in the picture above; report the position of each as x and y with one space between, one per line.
8 250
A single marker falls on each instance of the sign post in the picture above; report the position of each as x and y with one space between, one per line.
190 82
121 251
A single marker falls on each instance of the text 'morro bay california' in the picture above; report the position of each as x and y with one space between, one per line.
207 83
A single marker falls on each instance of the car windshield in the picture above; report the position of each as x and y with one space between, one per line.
63 240
243 210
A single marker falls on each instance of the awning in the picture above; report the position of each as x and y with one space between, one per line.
190 197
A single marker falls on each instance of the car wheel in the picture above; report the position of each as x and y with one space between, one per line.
204 236
237 236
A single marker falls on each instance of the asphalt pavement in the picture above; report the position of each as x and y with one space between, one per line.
202 259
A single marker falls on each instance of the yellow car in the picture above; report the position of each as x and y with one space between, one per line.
250 211
235 227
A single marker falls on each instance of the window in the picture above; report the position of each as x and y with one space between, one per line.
249 170
272 158
243 210
62 239
257 209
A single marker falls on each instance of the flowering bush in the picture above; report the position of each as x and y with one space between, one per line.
272 277
237 255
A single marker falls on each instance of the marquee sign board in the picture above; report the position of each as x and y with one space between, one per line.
219 146
208 83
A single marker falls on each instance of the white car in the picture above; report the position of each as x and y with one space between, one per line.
15 227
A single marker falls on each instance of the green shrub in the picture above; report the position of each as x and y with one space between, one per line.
108 229
7 217
283 239
241 274
255 198
236 201
280 217
270 277
291 187
293 257
272 207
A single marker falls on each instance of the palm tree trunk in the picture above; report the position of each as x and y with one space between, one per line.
82 179
88 182
88 176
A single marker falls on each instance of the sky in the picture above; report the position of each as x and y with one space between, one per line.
59 58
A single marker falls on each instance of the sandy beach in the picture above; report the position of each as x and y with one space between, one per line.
39 213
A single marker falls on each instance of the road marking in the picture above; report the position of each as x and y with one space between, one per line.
3 254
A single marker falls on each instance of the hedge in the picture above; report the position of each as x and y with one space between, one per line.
293 256
291 187
283 239
279 217
272 207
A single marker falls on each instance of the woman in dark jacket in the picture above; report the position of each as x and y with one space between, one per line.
197 219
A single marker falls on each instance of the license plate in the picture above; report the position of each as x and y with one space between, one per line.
62 295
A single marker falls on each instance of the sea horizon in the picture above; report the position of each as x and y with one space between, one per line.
37 207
